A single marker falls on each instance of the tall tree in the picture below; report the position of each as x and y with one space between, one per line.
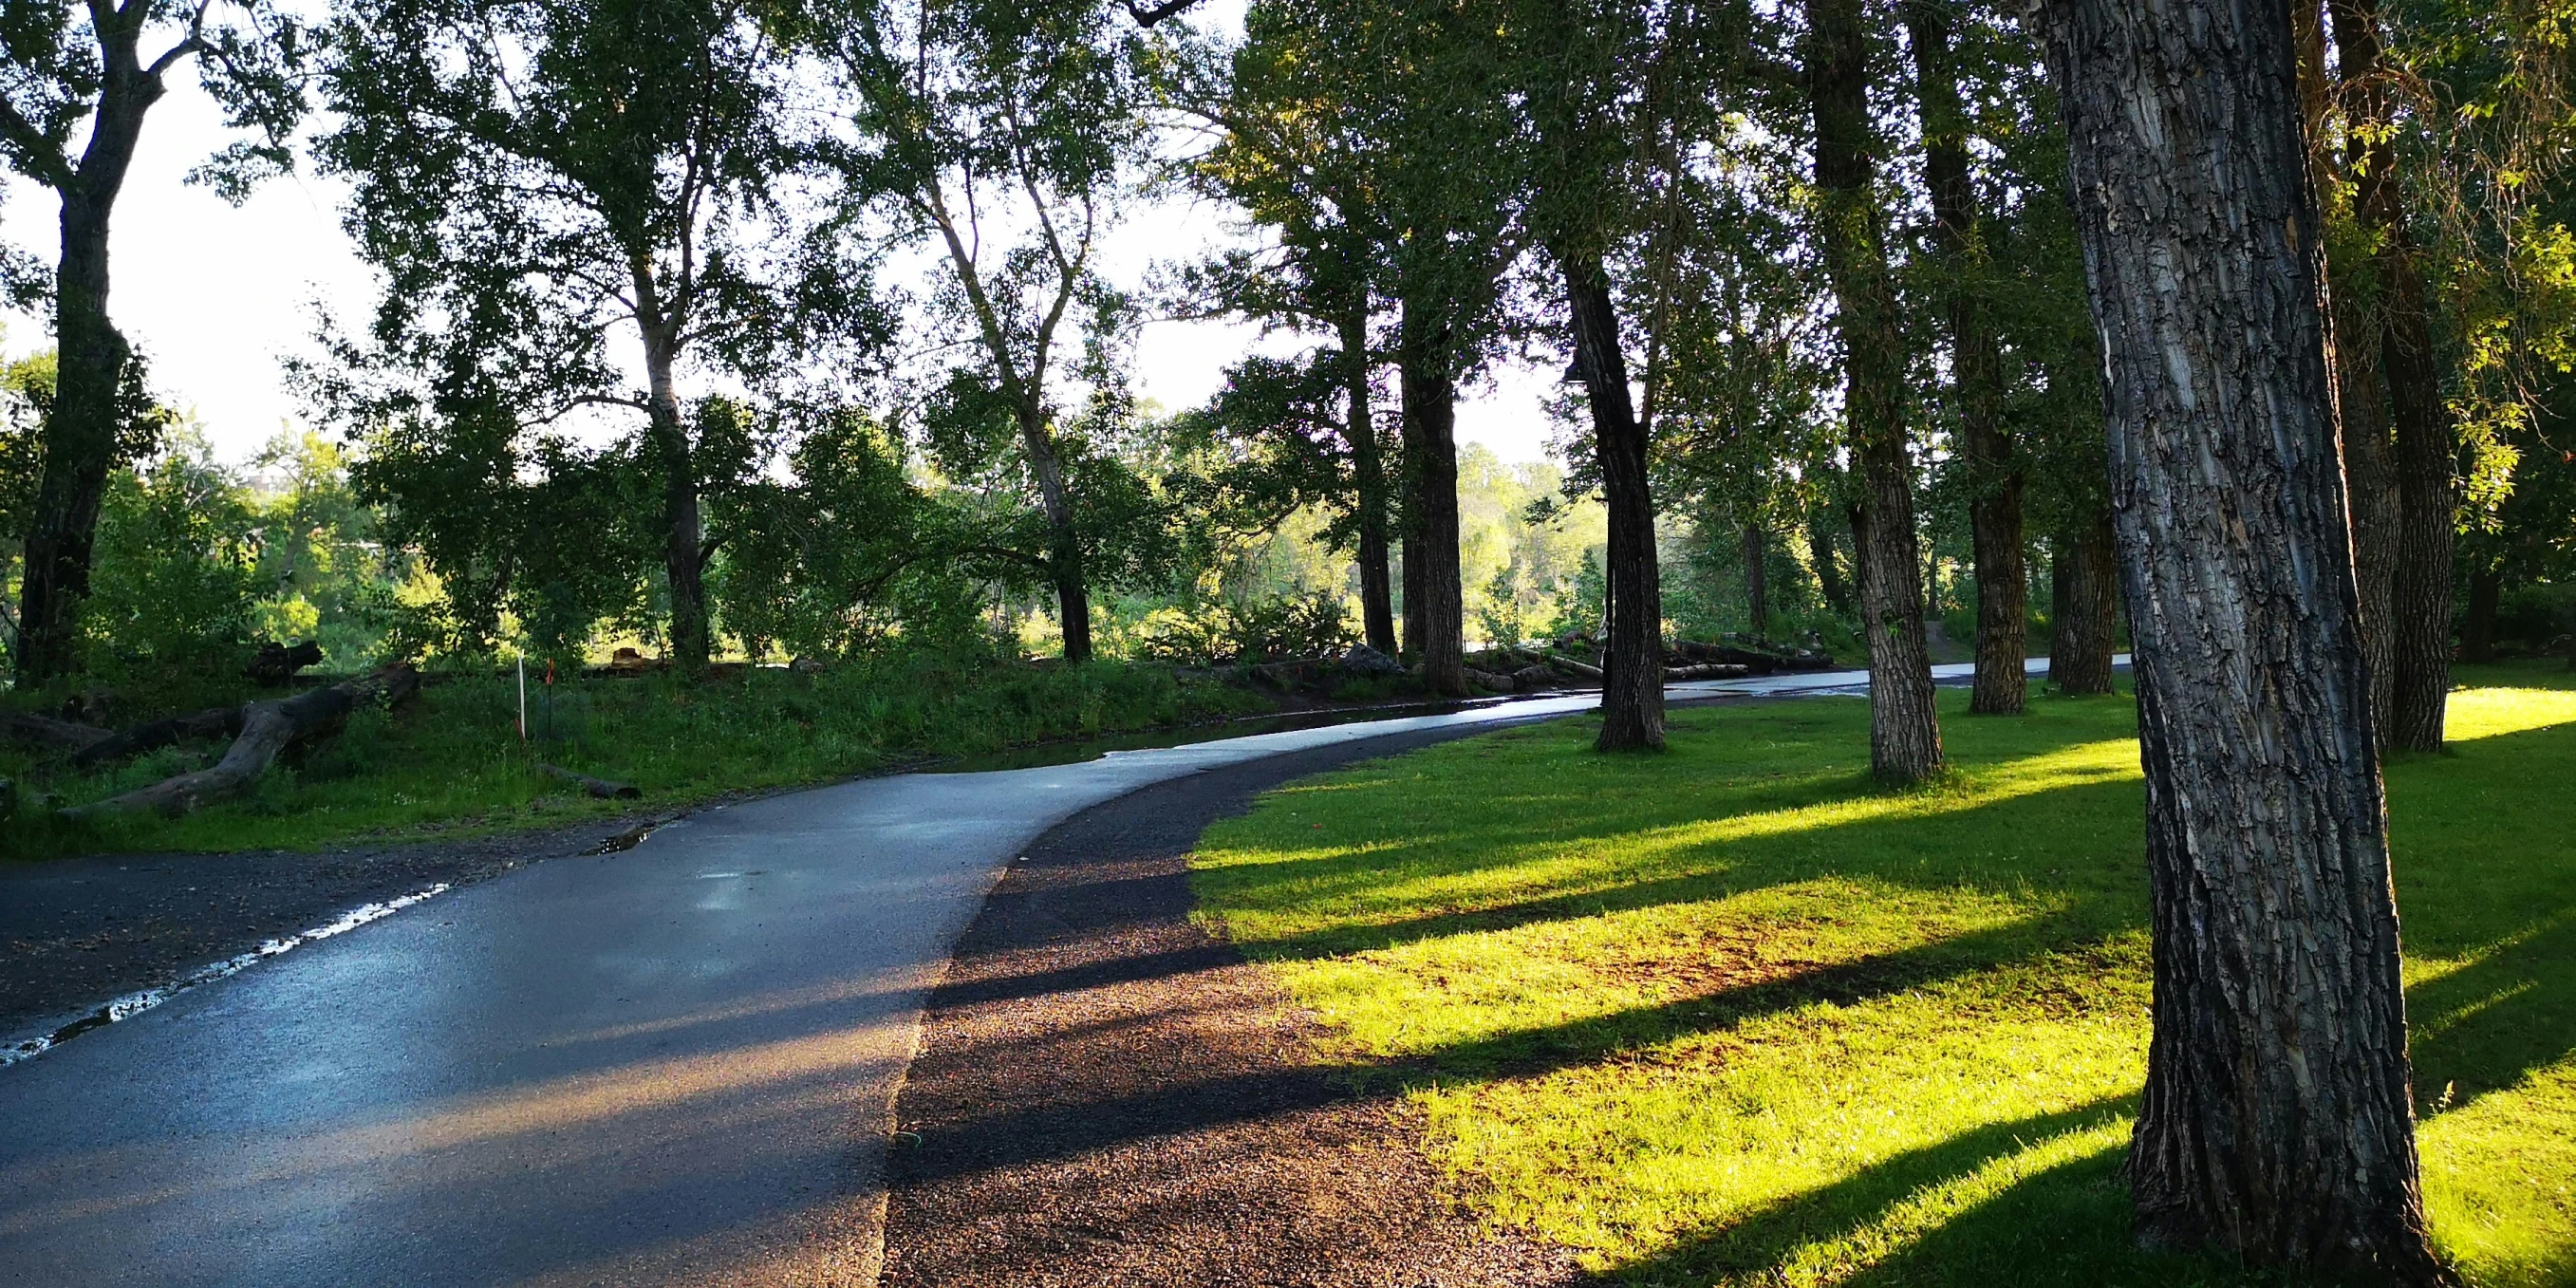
1904 732
1005 133
1296 151
2419 637
1587 183
2277 1122
90 64
532 177
1437 94
1995 475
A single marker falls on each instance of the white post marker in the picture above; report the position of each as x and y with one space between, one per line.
523 697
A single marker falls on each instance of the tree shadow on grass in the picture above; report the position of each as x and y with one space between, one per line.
2074 1212
1943 851
2485 1026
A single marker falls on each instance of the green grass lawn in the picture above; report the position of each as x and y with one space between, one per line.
1732 1015
452 760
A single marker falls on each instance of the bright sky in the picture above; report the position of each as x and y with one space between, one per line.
216 295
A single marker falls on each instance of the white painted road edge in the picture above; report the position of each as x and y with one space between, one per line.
672 1065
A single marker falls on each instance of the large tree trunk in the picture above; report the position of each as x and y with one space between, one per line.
1064 541
2277 1122
1829 571
2084 588
2352 331
1757 591
2372 494
92 359
2421 467
1434 604
1995 477
1632 695
1904 732
1368 470
2486 597
2420 599
683 535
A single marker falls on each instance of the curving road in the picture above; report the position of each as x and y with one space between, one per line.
668 1066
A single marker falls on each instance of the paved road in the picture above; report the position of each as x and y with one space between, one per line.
667 1066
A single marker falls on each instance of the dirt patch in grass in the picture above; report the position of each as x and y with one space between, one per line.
1106 1095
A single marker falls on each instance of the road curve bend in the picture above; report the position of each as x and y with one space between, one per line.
672 1065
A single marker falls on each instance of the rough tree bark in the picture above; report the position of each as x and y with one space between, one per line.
1632 695
267 728
1368 470
91 360
2084 588
2353 332
2421 465
1995 476
2277 1122
2372 487
1904 733
1434 602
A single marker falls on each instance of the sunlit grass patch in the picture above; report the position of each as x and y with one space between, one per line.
1733 1015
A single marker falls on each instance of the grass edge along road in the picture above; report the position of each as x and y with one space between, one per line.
1733 1015
452 763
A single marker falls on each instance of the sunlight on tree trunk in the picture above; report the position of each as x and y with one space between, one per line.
2277 1122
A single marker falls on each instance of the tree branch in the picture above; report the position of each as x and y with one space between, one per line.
52 168
1148 15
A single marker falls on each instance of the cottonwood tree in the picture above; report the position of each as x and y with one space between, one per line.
536 179
104 65
1607 165
1293 150
2420 466
1995 475
1352 117
1004 134
1904 731
2277 1122
1438 93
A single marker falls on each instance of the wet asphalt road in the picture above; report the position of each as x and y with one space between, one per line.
667 1066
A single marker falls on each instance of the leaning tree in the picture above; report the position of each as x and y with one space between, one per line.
104 65
2277 1122
536 180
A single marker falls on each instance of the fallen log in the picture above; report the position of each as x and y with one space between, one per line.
1489 681
45 731
599 787
267 728
213 722
276 663
1707 671
1585 669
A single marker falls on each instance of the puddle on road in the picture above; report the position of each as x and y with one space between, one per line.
134 1004
619 842
1076 751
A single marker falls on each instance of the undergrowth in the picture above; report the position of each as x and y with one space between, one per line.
452 760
